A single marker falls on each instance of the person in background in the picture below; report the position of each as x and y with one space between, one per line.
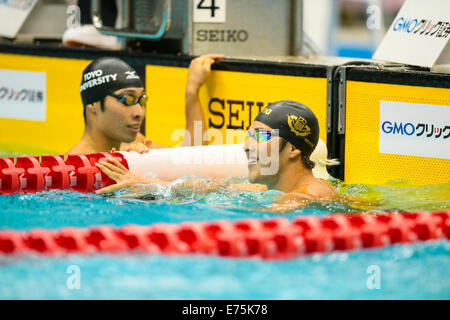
114 101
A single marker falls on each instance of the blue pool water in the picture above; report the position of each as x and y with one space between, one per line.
417 271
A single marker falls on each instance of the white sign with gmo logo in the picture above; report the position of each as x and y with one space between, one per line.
419 35
414 129
22 95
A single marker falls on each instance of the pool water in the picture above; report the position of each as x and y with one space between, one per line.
416 271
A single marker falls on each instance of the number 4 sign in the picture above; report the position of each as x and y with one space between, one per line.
209 10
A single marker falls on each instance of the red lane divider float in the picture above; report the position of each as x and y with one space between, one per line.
77 172
9 176
268 239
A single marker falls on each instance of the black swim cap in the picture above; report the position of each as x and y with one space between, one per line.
295 122
104 76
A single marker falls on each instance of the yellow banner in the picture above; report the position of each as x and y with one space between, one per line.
230 101
363 162
64 124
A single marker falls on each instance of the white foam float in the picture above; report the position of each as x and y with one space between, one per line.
216 161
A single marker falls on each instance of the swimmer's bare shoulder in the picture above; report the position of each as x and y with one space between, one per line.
319 189
80 148
314 190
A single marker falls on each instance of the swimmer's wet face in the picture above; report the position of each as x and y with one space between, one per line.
262 150
297 135
118 121
108 76
114 100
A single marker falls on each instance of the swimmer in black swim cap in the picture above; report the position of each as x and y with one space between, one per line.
288 132
295 122
104 76
293 129
114 102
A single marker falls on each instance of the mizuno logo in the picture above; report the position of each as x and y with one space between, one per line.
131 75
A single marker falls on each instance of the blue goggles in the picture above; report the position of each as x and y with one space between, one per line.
260 135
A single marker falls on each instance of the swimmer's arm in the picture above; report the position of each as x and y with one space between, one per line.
302 197
214 184
200 185
290 202
125 178
199 70
249 187
194 113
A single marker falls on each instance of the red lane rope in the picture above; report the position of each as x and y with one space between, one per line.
78 172
268 239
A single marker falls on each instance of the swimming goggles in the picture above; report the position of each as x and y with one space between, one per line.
129 100
260 135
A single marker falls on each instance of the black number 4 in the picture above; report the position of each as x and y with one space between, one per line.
212 7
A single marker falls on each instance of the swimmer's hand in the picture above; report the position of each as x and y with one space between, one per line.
135 146
199 70
124 177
